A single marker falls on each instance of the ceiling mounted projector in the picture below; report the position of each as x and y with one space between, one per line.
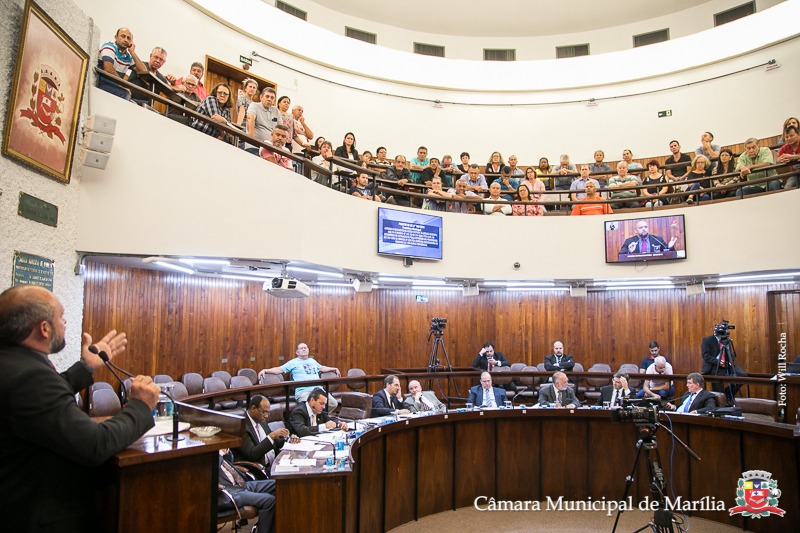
287 288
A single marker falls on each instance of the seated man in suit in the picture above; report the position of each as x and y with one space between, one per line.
422 401
259 441
558 361
484 395
558 393
615 392
390 400
696 399
258 493
487 358
311 417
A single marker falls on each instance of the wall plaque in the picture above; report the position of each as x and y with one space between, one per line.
37 210
32 269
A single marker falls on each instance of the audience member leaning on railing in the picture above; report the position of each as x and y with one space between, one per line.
755 171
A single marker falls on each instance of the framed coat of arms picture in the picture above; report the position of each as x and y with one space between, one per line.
46 95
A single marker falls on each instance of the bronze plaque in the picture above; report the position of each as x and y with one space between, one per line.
37 210
32 269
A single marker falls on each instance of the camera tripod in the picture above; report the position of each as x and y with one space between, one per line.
434 363
729 353
663 518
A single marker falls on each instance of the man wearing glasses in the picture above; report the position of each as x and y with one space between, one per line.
187 91
260 445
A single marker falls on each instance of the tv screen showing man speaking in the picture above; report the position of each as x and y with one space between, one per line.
646 239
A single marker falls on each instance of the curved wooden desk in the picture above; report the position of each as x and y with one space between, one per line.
410 469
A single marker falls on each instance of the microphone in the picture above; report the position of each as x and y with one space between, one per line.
123 392
175 418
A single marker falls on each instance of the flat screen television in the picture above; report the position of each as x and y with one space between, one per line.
646 239
409 234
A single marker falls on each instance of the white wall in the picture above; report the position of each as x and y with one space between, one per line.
601 40
17 233
174 191
548 127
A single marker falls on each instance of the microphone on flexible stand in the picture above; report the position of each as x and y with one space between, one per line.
123 394
175 418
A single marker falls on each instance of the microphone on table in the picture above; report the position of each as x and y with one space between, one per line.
111 367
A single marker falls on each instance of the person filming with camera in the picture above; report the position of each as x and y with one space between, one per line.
719 358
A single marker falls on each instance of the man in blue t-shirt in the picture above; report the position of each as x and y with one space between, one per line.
117 57
304 368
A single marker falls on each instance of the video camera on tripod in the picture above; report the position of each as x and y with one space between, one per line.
723 331
438 325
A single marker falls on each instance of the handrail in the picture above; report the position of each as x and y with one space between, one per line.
232 130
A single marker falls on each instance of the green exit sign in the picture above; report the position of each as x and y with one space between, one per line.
422 299
245 60
667 113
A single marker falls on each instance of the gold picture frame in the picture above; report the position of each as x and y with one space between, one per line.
46 96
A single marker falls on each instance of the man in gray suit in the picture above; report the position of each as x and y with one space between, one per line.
422 401
559 393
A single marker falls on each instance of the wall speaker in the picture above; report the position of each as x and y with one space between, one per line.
470 290
362 286
101 124
98 141
695 289
90 158
577 292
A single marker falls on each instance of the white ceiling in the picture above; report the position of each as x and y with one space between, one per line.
504 18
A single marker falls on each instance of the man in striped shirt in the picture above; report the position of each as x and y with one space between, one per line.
117 58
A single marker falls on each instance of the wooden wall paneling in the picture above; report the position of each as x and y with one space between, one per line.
609 446
435 466
763 452
291 493
400 479
518 459
475 462
178 323
719 483
561 438
371 481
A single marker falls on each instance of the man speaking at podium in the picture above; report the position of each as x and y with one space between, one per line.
49 446
644 243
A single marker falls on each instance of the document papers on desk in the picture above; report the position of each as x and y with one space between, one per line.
304 446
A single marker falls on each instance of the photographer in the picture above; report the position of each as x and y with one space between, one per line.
488 358
719 357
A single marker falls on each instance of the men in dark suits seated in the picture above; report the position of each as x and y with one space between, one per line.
49 447
558 393
643 242
558 361
258 440
258 493
311 417
487 358
616 392
717 363
484 395
422 401
389 401
696 399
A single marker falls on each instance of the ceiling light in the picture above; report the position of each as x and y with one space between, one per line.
173 266
758 276
317 272
518 284
331 284
413 280
632 283
193 261
244 278
744 284
639 287
544 289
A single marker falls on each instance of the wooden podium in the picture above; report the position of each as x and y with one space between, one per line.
159 485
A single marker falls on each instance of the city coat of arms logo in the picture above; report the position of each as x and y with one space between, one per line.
46 103
757 495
